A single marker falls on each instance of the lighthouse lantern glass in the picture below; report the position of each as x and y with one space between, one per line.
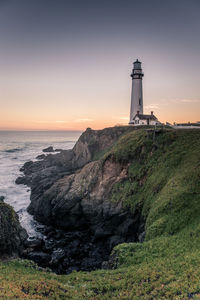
137 65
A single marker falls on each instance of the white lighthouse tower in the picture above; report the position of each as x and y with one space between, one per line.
136 95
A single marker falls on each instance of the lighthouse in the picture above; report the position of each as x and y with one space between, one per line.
136 94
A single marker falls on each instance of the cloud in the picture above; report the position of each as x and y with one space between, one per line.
152 106
124 118
180 100
61 122
83 120
52 122
188 100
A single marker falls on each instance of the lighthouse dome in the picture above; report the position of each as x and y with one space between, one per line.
137 65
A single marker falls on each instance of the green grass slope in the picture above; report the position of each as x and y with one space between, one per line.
163 184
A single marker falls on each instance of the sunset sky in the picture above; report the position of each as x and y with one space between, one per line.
66 64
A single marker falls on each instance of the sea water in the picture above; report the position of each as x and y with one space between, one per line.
18 147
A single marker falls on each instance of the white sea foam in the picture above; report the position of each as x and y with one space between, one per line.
15 149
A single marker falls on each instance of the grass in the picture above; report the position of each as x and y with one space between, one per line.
164 183
163 179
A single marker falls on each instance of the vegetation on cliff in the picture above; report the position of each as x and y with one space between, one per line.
162 184
12 235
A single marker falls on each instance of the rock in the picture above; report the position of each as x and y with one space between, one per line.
115 240
2 198
71 269
90 144
42 156
40 228
48 229
56 256
111 263
12 235
40 258
35 243
48 149
68 251
83 196
23 180
49 244
141 237
26 167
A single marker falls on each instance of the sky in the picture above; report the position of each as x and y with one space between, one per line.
66 64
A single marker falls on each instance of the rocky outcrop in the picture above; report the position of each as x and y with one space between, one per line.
71 192
41 156
82 200
12 235
48 149
92 144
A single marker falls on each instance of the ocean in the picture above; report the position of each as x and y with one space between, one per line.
18 147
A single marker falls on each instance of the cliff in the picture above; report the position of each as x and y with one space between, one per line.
71 192
142 187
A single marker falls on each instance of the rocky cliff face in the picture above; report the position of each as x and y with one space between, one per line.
12 235
71 192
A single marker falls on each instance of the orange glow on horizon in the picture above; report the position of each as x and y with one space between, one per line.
82 123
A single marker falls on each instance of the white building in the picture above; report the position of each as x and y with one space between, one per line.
141 119
136 113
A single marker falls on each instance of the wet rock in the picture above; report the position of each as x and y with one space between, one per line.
23 180
27 167
48 229
27 251
74 250
49 244
35 243
41 258
41 156
68 251
40 228
56 256
48 149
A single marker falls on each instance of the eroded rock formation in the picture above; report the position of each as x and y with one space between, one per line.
71 195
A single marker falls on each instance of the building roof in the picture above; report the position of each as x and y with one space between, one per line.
145 117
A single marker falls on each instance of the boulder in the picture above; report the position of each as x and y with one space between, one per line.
48 149
40 258
41 156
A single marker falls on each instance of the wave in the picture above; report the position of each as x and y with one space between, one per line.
66 142
13 150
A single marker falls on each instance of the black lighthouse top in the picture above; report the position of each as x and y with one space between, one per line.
137 65
137 70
